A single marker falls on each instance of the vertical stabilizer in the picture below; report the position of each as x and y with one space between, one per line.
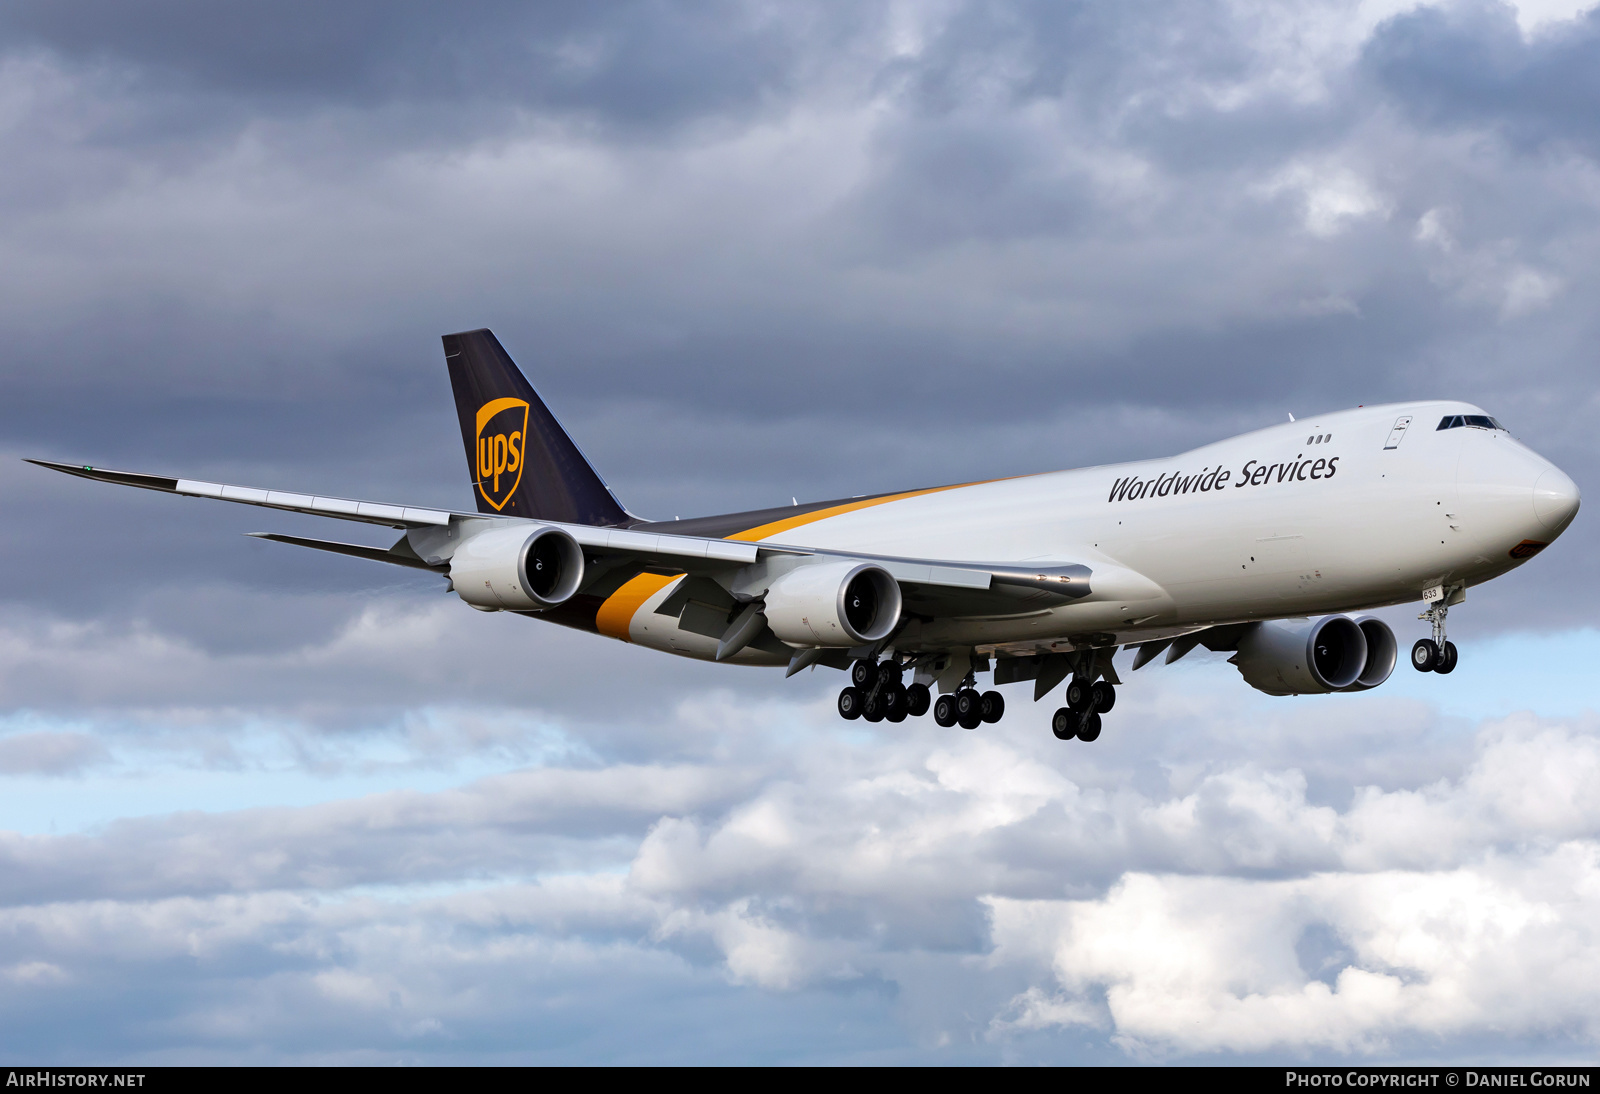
523 463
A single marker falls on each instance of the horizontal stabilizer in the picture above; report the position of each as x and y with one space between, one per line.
400 554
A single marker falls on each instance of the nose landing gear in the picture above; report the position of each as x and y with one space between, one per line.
1436 654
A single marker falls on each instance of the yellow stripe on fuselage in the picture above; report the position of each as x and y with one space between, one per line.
616 614
778 527
618 611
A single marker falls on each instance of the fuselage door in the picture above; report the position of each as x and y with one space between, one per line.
1398 433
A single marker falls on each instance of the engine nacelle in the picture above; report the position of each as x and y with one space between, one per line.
838 604
517 568
1382 651
1304 656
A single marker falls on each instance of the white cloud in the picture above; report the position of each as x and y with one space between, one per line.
1003 885
1535 16
1192 965
1332 198
1488 273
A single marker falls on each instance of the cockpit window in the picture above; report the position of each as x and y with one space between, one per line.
1481 421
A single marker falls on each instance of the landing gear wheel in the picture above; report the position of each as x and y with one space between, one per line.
1103 696
918 700
850 700
991 706
1077 696
1447 659
1064 725
1089 727
969 703
1425 655
969 708
873 708
864 673
944 711
894 702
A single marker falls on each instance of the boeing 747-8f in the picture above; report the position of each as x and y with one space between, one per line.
1269 545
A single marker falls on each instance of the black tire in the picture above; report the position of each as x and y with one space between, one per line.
1089 726
1104 696
864 673
944 710
1078 696
1424 655
1064 725
968 703
992 706
918 700
1447 659
970 721
893 698
873 708
850 704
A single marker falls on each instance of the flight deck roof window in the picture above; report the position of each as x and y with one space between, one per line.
1480 421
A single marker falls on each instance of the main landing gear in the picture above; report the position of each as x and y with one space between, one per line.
876 694
1436 654
1080 718
967 708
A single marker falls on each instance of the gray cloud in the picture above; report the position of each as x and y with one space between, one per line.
1469 65
638 65
49 753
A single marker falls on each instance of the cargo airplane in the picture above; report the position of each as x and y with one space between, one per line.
1268 545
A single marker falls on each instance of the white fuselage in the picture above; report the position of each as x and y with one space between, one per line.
1342 512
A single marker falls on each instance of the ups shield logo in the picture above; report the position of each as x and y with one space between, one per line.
502 439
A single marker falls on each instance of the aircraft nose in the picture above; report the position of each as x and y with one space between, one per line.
1555 499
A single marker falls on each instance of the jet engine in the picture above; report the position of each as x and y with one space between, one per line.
1307 656
837 604
517 568
1381 652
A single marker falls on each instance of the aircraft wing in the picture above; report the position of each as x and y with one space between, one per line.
368 512
646 547
933 586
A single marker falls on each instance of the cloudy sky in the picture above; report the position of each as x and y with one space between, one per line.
260 805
